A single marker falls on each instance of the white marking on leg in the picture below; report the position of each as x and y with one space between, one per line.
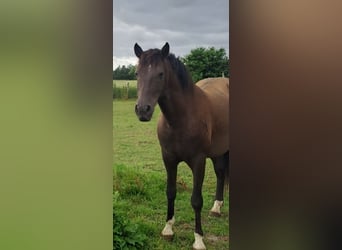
198 244
167 231
217 207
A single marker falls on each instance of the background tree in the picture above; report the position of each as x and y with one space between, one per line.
203 63
124 72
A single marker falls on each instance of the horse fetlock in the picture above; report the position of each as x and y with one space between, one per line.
216 209
198 244
167 232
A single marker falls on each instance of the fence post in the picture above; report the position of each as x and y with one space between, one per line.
127 90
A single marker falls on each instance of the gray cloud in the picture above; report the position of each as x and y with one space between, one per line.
184 24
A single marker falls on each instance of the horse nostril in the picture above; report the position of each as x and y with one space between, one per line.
144 108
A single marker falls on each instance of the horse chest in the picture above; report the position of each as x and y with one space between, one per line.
182 143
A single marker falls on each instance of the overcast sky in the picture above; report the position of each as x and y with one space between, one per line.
184 24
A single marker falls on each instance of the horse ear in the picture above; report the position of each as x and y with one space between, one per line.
137 50
165 50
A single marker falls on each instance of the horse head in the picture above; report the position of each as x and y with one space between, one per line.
151 77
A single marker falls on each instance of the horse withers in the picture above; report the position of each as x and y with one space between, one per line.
193 125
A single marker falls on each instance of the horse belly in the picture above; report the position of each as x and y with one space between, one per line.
219 145
220 135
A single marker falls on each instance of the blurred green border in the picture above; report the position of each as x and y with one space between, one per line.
56 125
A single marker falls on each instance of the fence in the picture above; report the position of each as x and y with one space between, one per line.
124 91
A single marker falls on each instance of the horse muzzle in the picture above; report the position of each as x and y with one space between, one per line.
144 112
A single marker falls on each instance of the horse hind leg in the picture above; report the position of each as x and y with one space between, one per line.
221 165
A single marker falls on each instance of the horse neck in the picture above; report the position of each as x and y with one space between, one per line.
176 102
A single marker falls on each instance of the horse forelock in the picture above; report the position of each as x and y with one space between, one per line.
154 57
150 57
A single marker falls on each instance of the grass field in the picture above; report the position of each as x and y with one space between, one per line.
139 185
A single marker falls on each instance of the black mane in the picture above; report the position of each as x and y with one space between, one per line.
181 71
154 56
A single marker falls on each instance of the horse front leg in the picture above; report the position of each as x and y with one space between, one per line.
171 170
198 169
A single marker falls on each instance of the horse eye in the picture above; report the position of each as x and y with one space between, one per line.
161 74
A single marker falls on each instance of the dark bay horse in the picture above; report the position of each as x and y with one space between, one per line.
193 126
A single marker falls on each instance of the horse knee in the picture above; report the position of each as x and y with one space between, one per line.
171 193
197 202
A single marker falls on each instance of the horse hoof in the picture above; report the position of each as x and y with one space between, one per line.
198 244
214 214
168 237
193 248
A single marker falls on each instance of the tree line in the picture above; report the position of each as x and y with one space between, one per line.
201 63
124 72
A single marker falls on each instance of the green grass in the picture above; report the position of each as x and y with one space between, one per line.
139 178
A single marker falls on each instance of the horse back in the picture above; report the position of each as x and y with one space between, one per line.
215 88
